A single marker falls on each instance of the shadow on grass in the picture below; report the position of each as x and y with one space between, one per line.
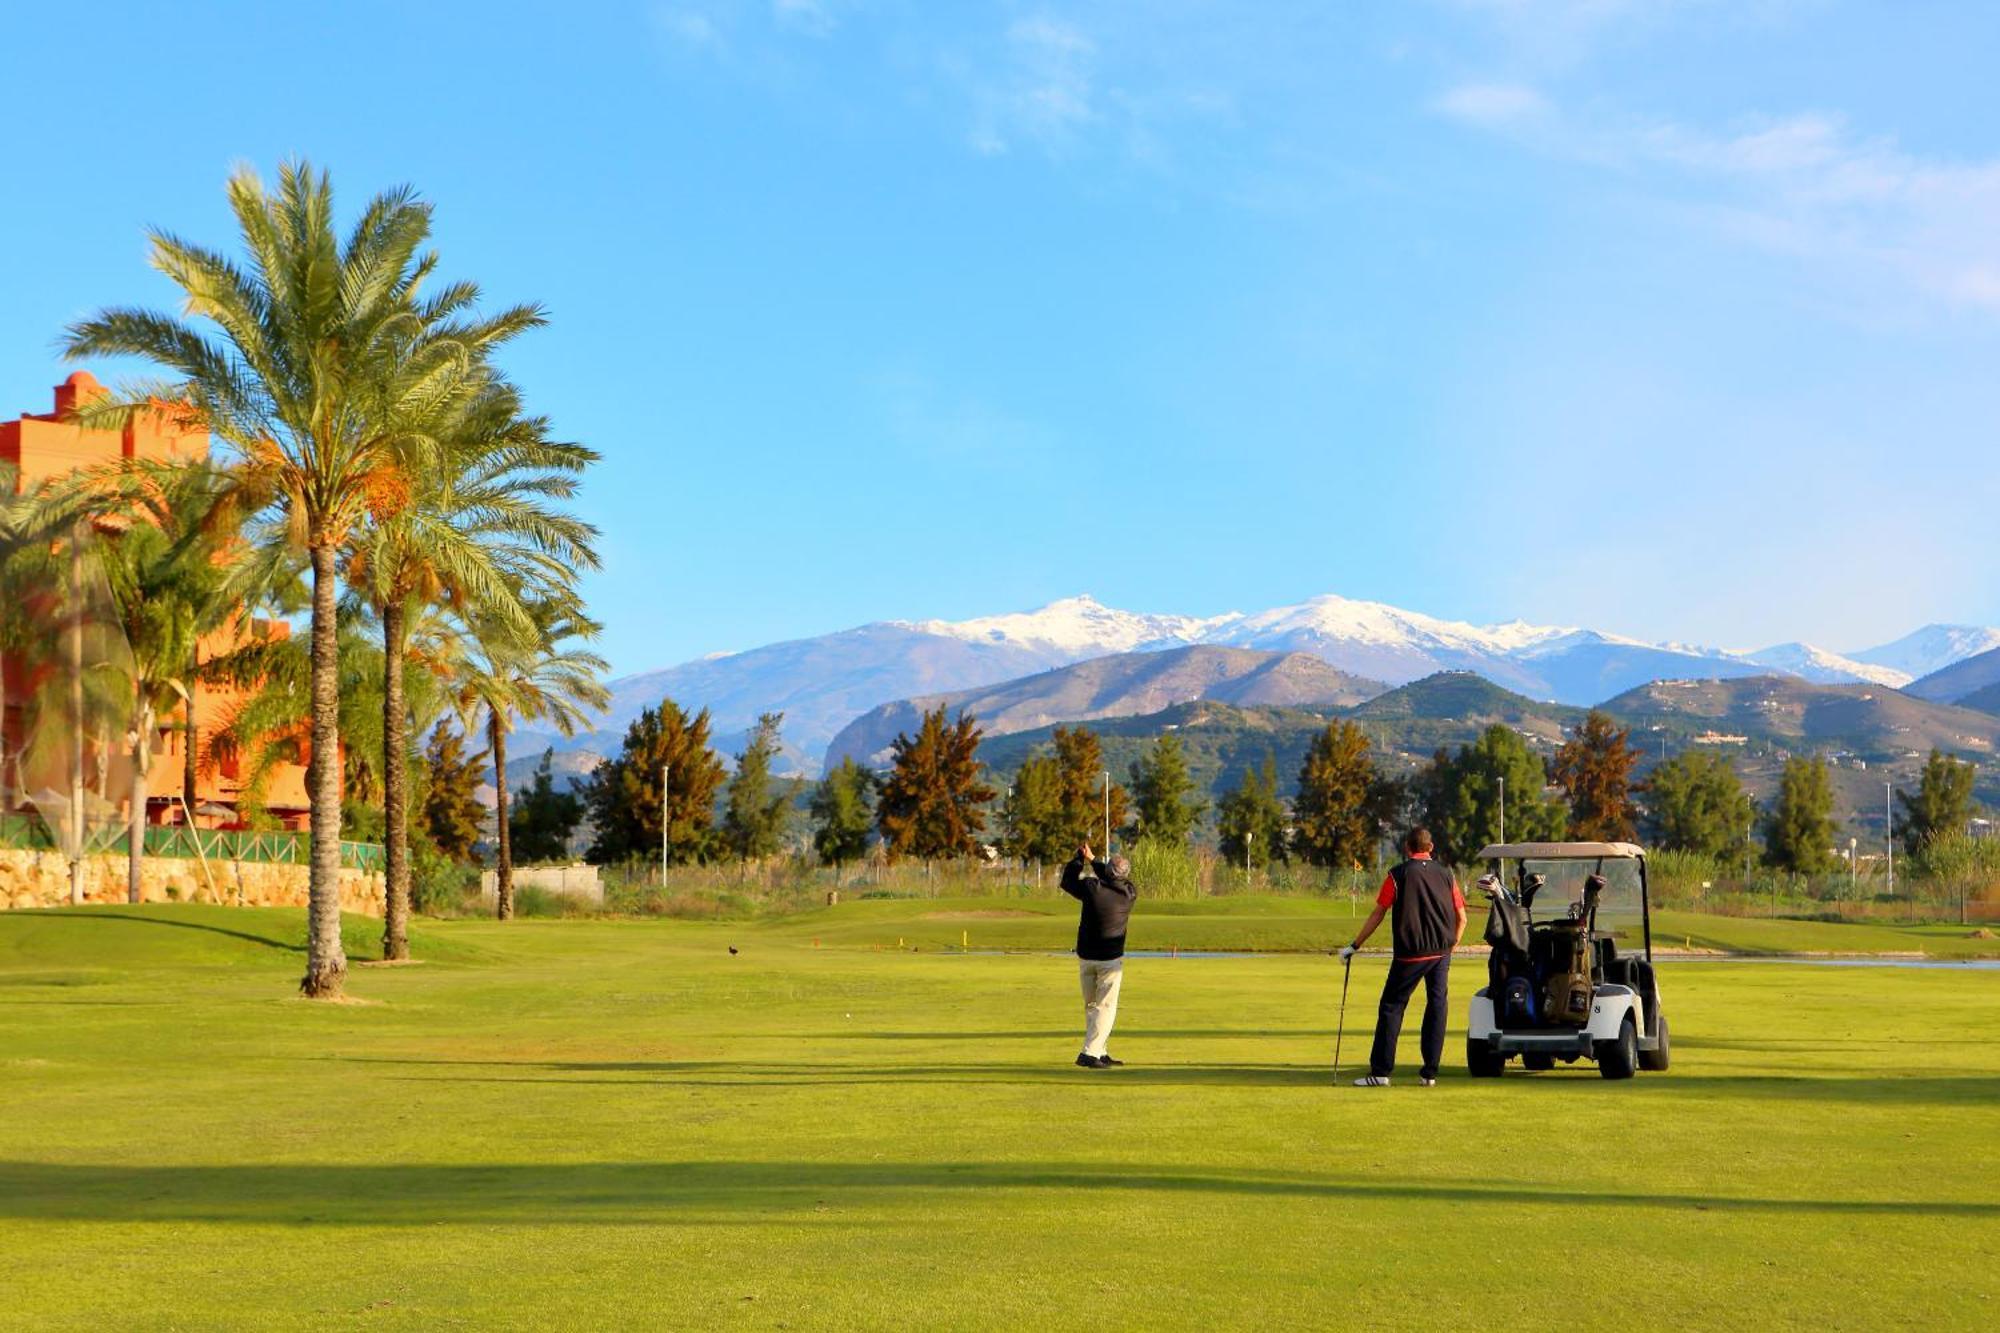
85 914
1858 1087
1051 1034
599 1193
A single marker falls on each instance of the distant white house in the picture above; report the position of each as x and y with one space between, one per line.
1718 738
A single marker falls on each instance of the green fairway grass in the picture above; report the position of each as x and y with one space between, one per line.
590 1124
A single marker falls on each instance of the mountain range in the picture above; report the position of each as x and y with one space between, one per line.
823 684
1870 734
1121 685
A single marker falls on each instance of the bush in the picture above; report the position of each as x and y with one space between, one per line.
1954 870
438 884
360 822
534 900
1679 877
1164 869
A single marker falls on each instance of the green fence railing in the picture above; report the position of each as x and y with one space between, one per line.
292 849
25 833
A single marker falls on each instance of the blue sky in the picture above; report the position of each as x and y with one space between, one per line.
1674 319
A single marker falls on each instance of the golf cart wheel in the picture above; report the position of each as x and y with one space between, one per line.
1481 1061
1656 1060
1539 1061
1619 1058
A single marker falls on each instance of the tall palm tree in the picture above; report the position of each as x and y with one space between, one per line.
542 675
170 531
328 375
480 530
14 540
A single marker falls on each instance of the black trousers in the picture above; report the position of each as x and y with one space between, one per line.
1396 991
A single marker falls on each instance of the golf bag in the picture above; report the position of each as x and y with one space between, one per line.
1509 970
1568 963
1568 990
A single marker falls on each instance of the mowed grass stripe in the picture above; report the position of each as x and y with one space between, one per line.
590 1124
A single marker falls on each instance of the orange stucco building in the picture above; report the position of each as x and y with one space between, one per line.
40 447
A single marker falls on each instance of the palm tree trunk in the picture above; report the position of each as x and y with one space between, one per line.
6 791
395 789
190 770
503 869
326 962
74 845
135 835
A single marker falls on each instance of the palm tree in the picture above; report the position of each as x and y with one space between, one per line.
328 377
537 676
480 530
14 540
169 532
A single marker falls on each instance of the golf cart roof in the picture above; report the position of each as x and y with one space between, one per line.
1560 851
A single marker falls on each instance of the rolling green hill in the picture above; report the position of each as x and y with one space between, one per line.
1405 725
1872 722
1872 735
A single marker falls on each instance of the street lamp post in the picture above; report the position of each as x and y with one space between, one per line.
1889 831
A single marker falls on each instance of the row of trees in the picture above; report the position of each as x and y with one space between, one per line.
934 801
372 463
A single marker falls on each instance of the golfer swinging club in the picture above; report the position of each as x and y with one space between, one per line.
1428 924
1105 889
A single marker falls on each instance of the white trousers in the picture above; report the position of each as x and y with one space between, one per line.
1100 1001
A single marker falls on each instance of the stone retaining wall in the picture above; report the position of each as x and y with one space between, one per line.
41 879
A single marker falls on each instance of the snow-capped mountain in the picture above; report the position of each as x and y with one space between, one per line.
1079 626
1825 668
823 683
1932 648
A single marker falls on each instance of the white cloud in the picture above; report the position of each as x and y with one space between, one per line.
814 17
687 27
1802 185
1043 90
1492 105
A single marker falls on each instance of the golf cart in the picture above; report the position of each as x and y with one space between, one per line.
1571 972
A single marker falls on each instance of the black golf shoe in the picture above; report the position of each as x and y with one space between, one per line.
1090 1062
1107 1061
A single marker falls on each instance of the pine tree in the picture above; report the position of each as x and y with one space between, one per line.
933 801
753 816
1166 807
1942 807
1031 818
1251 819
542 819
1080 758
623 795
1594 769
1342 801
841 814
1696 804
1461 796
1799 834
451 812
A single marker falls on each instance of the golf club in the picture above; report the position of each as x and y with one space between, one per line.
1340 1031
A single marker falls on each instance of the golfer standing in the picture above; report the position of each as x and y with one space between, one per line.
1105 889
1428 922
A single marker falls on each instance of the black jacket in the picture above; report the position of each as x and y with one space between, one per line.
1107 902
1425 917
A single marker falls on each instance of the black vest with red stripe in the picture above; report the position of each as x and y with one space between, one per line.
1424 918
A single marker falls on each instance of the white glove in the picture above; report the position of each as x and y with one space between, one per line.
1347 951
